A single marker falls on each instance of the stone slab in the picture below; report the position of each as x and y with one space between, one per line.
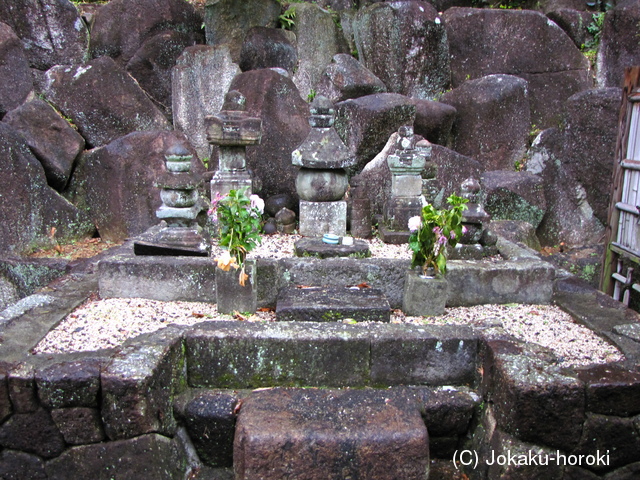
319 434
332 304
394 237
630 330
315 247
318 218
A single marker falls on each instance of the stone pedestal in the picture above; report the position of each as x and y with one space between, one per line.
233 297
424 295
318 218
223 182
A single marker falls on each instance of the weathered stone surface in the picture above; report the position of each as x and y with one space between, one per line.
116 182
32 208
574 23
228 21
447 410
50 138
51 31
434 120
315 247
318 40
591 132
275 203
492 125
424 296
318 218
25 275
102 100
148 456
16 465
285 125
536 405
511 195
516 231
366 123
231 296
452 170
345 78
322 185
601 432
210 419
200 79
228 355
322 434
269 48
523 43
569 217
405 45
5 401
332 304
438 355
79 426
158 278
139 385
618 44
121 27
611 390
69 384
32 433
153 62
15 76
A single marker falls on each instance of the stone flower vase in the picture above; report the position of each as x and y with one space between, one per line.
424 295
233 297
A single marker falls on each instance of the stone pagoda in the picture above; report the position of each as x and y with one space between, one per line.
179 233
322 179
232 130
406 200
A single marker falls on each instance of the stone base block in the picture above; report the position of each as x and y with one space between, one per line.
233 297
318 218
224 182
424 295
321 434
331 304
394 237
315 247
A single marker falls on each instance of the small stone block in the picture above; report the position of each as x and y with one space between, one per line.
424 295
394 237
318 218
321 434
331 304
315 247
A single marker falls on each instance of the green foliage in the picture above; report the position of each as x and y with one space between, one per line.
432 231
590 48
239 223
286 20
312 95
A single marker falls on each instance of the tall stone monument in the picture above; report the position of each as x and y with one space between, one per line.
406 200
322 179
233 130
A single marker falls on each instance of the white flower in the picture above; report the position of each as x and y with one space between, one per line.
257 202
415 223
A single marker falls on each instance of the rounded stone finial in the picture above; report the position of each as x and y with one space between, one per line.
234 101
470 189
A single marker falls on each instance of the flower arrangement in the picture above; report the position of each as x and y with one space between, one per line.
432 231
239 224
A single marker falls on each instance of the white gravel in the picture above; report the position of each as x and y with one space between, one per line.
108 323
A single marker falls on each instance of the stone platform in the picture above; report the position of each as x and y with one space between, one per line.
315 434
331 304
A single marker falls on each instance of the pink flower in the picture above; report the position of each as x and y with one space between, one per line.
452 235
464 229
415 223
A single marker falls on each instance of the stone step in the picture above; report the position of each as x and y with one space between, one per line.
332 303
324 431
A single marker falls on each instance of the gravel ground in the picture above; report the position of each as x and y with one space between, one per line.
108 323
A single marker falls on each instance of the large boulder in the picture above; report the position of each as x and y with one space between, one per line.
523 43
121 27
201 79
575 23
452 170
228 21
511 195
319 39
102 100
153 62
619 45
434 120
569 217
366 123
345 78
116 182
405 45
30 209
51 31
50 138
492 124
16 82
590 143
285 125
269 48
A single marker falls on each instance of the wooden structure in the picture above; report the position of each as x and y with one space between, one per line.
622 250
